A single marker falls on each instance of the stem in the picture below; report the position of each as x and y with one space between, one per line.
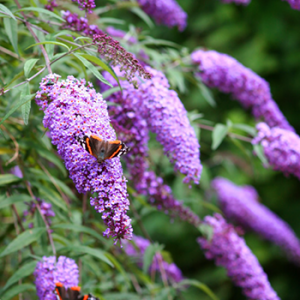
233 135
6 51
47 60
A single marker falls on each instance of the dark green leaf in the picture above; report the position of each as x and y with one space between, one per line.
25 238
14 199
92 68
50 43
143 16
200 286
207 231
80 228
22 272
206 93
6 10
87 250
41 10
14 291
218 135
11 28
109 92
29 64
21 102
151 250
258 149
249 129
8 178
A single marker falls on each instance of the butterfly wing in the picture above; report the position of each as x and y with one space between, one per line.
116 149
60 291
74 292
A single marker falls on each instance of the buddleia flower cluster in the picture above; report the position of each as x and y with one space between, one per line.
166 12
137 251
240 204
73 110
86 5
281 148
49 271
223 72
46 210
107 47
231 252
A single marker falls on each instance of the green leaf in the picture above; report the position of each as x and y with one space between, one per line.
151 250
218 135
207 231
206 93
92 68
109 92
8 178
143 16
22 272
49 42
21 102
249 129
258 149
16 77
80 228
14 199
25 109
103 65
14 291
22 240
41 10
29 64
200 286
6 10
87 250
11 28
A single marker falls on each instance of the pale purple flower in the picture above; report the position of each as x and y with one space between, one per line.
231 252
295 4
46 210
49 271
118 33
16 171
240 204
73 110
160 110
281 148
173 273
166 12
225 73
86 5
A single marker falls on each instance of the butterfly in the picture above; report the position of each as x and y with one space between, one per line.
102 149
72 293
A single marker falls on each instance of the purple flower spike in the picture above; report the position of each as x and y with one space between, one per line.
86 5
166 12
231 252
172 271
73 110
240 204
281 147
223 72
295 4
48 272
160 110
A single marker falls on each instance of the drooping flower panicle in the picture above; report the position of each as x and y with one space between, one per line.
231 252
49 271
173 273
73 110
295 4
281 148
162 112
223 72
166 12
240 204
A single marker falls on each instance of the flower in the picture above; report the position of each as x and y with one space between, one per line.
109 48
223 72
49 271
159 109
16 171
73 110
281 148
87 5
295 4
173 273
112 31
231 252
166 12
46 210
51 4
240 204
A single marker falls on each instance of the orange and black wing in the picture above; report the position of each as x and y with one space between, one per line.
116 149
60 291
